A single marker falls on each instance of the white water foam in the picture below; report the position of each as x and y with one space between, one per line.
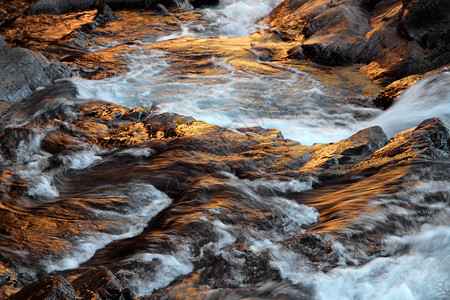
422 274
143 202
430 97
156 271
237 18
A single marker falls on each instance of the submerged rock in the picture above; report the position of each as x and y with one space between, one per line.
48 288
147 192
100 283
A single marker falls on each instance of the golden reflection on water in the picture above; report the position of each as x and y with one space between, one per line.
137 31
340 204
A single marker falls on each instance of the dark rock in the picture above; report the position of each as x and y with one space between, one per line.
3 44
100 283
104 15
161 8
199 3
427 22
62 6
23 71
404 37
48 288
296 52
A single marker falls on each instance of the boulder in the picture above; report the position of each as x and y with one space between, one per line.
349 151
23 71
393 38
336 36
429 140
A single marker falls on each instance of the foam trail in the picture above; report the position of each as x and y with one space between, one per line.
144 202
421 275
237 18
430 97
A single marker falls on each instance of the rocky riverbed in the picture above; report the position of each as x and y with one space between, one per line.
113 186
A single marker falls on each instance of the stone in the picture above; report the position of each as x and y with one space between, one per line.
200 3
24 71
388 95
63 6
427 22
404 37
3 44
100 283
349 151
47 288
429 140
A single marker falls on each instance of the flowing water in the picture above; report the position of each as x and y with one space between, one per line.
175 225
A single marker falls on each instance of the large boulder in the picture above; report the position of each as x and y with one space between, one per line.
23 71
393 38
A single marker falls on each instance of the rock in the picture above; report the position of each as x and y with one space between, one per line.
429 140
24 71
3 44
336 36
427 22
63 6
161 8
387 96
47 288
261 131
394 90
100 283
349 151
199 3
404 37
104 15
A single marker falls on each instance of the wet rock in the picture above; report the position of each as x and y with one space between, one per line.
104 15
349 151
386 98
24 71
261 131
336 36
403 38
237 178
100 283
199 3
63 6
430 140
427 22
394 90
48 288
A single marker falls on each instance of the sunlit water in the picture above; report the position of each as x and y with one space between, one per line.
257 215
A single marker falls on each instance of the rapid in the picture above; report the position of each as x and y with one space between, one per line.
176 220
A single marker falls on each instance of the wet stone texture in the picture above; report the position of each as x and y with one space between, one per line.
394 38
